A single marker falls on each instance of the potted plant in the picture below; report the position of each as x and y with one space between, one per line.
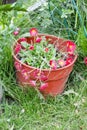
43 61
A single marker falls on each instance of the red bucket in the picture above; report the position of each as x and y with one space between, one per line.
56 79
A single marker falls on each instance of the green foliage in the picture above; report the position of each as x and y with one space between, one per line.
9 7
68 15
62 15
82 41
38 57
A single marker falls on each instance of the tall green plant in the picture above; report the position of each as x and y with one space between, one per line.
68 15
82 41
62 15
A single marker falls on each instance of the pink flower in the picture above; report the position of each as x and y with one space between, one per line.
43 77
69 60
25 74
32 83
17 48
61 62
36 73
85 60
23 39
33 31
18 66
31 47
43 86
46 49
38 40
39 75
71 55
53 64
16 32
71 47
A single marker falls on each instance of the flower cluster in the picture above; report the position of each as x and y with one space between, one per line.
85 61
39 52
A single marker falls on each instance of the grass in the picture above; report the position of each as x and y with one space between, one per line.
27 110
65 112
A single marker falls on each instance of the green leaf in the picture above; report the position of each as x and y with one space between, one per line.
9 7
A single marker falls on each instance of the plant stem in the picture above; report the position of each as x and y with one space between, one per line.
76 17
